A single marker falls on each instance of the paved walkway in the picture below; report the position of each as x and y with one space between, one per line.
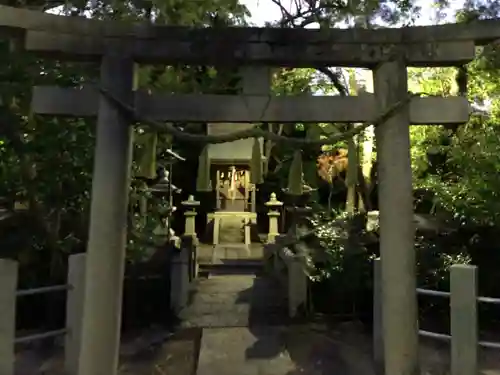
245 329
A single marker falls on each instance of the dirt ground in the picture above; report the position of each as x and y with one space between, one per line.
151 352
157 352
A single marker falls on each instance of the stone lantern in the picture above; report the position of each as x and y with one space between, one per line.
274 204
190 214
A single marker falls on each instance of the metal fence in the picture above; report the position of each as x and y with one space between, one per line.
464 336
74 304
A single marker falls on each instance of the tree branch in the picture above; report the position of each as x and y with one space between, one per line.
334 77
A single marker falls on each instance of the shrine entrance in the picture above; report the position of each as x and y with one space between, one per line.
235 205
233 188
230 164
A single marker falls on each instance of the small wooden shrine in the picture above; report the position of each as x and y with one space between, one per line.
231 166
231 163
233 169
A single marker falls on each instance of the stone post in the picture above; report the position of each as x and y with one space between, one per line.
247 226
378 339
179 274
397 229
463 314
8 287
190 230
74 308
274 205
297 284
190 214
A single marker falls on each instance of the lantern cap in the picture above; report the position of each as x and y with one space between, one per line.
273 201
190 202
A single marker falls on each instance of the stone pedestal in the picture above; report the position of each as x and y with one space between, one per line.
296 214
190 227
273 226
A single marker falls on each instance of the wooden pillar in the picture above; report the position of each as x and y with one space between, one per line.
101 318
217 191
253 198
8 287
246 180
397 229
232 185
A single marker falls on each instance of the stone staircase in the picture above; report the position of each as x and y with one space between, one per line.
231 231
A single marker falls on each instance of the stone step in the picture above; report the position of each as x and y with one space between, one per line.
231 232
228 238
229 254
232 267
231 229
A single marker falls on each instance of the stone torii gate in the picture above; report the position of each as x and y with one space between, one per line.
119 45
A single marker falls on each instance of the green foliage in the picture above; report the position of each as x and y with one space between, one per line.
344 254
48 162
467 183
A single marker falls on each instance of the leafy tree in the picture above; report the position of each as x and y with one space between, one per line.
47 162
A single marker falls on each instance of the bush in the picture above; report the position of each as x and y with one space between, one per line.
342 283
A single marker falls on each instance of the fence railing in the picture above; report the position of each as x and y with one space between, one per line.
74 288
291 270
183 270
463 335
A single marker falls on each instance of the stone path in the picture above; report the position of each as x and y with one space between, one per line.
245 329
235 301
